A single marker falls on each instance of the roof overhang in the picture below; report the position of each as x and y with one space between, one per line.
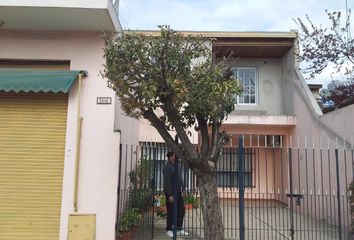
243 44
62 15
253 46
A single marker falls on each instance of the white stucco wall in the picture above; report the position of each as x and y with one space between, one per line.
126 126
147 133
270 77
100 144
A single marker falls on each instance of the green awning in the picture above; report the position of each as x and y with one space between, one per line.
21 80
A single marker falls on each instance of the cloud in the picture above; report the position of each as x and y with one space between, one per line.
222 15
228 15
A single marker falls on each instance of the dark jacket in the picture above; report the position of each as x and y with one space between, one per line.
169 176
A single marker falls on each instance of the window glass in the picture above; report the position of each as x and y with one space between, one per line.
247 78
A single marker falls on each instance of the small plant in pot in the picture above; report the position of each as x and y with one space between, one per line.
191 201
128 221
160 202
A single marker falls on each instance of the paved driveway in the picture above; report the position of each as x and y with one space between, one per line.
264 223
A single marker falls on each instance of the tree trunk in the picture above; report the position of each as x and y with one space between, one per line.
213 226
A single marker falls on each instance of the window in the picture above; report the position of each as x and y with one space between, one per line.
228 168
248 80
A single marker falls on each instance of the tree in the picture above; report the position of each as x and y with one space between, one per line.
321 46
177 76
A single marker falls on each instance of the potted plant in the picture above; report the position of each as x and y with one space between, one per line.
191 201
160 202
128 221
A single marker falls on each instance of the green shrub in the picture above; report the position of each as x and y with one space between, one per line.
140 199
141 176
140 191
129 219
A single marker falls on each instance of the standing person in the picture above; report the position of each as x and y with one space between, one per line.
169 177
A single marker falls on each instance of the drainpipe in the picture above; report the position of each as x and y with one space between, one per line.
78 144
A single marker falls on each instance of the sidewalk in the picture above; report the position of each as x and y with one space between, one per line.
160 232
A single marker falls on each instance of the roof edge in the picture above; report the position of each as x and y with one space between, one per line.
224 34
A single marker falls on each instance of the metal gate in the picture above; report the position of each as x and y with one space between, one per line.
268 189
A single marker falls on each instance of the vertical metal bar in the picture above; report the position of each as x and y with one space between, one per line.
175 179
225 157
229 214
126 172
274 191
338 197
282 180
245 179
330 193
154 187
346 220
313 199
253 168
241 190
291 192
350 213
306 195
118 189
267 189
322 196
259 186
298 220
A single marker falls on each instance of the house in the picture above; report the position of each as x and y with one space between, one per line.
295 156
275 93
60 125
264 63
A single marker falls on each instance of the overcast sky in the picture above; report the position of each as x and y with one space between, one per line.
226 15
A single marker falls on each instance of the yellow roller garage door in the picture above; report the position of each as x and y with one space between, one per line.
32 145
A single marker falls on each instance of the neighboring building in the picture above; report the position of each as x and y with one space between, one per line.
59 139
315 89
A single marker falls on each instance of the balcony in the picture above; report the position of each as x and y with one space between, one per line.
64 15
261 120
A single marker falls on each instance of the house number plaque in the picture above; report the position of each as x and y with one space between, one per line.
104 100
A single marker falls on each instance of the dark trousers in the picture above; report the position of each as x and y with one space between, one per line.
180 212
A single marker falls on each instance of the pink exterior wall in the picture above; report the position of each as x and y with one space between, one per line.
99 143
341 122
270 165
321 135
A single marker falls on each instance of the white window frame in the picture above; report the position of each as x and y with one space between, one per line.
235 70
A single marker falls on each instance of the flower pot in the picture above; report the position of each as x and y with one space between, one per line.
188 206
127 235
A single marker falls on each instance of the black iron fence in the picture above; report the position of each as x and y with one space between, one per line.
277 191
